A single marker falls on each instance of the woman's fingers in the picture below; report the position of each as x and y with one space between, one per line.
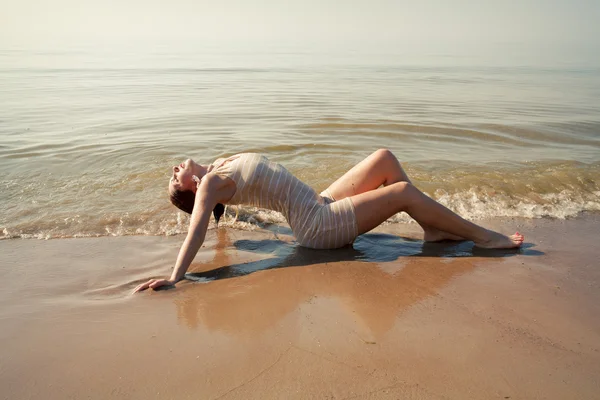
158 283
152 284
144 286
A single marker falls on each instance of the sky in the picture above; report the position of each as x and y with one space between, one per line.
310 23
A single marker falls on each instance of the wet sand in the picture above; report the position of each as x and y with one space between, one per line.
390 318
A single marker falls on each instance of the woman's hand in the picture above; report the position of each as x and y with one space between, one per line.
154 284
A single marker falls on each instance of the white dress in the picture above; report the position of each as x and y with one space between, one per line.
317 220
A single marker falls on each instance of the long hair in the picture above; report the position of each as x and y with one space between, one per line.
185 199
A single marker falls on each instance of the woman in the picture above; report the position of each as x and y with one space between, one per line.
367 195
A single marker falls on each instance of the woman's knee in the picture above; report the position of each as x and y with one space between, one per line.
387 161
389 167
384 155
406 193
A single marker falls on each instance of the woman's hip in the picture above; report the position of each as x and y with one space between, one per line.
332 226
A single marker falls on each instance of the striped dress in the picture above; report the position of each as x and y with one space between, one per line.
317 220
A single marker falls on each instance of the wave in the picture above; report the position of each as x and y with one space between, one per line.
473 204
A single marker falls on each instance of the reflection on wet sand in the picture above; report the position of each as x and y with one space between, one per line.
362 278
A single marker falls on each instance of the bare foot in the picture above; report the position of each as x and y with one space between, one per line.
500 241
435 235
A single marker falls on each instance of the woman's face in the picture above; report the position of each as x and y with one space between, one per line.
181 178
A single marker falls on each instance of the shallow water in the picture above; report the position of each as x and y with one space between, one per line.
87 138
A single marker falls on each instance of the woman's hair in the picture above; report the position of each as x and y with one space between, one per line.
184 200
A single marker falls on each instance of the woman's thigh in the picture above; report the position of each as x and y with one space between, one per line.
380 168
372 208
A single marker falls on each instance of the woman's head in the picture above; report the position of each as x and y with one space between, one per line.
181 178
182 187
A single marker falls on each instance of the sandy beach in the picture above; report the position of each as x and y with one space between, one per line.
390 318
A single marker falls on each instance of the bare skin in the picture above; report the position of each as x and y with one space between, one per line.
375 204
378 187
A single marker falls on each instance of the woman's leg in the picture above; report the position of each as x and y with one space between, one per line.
375 206
380 168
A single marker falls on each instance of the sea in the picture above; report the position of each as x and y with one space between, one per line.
88 136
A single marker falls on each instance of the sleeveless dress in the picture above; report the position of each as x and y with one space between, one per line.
317 220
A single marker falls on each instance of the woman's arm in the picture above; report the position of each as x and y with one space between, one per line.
206 199
203 207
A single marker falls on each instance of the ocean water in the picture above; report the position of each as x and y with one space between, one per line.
88 137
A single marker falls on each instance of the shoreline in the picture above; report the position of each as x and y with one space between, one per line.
389 318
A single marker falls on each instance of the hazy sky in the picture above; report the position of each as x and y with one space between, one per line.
415 23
